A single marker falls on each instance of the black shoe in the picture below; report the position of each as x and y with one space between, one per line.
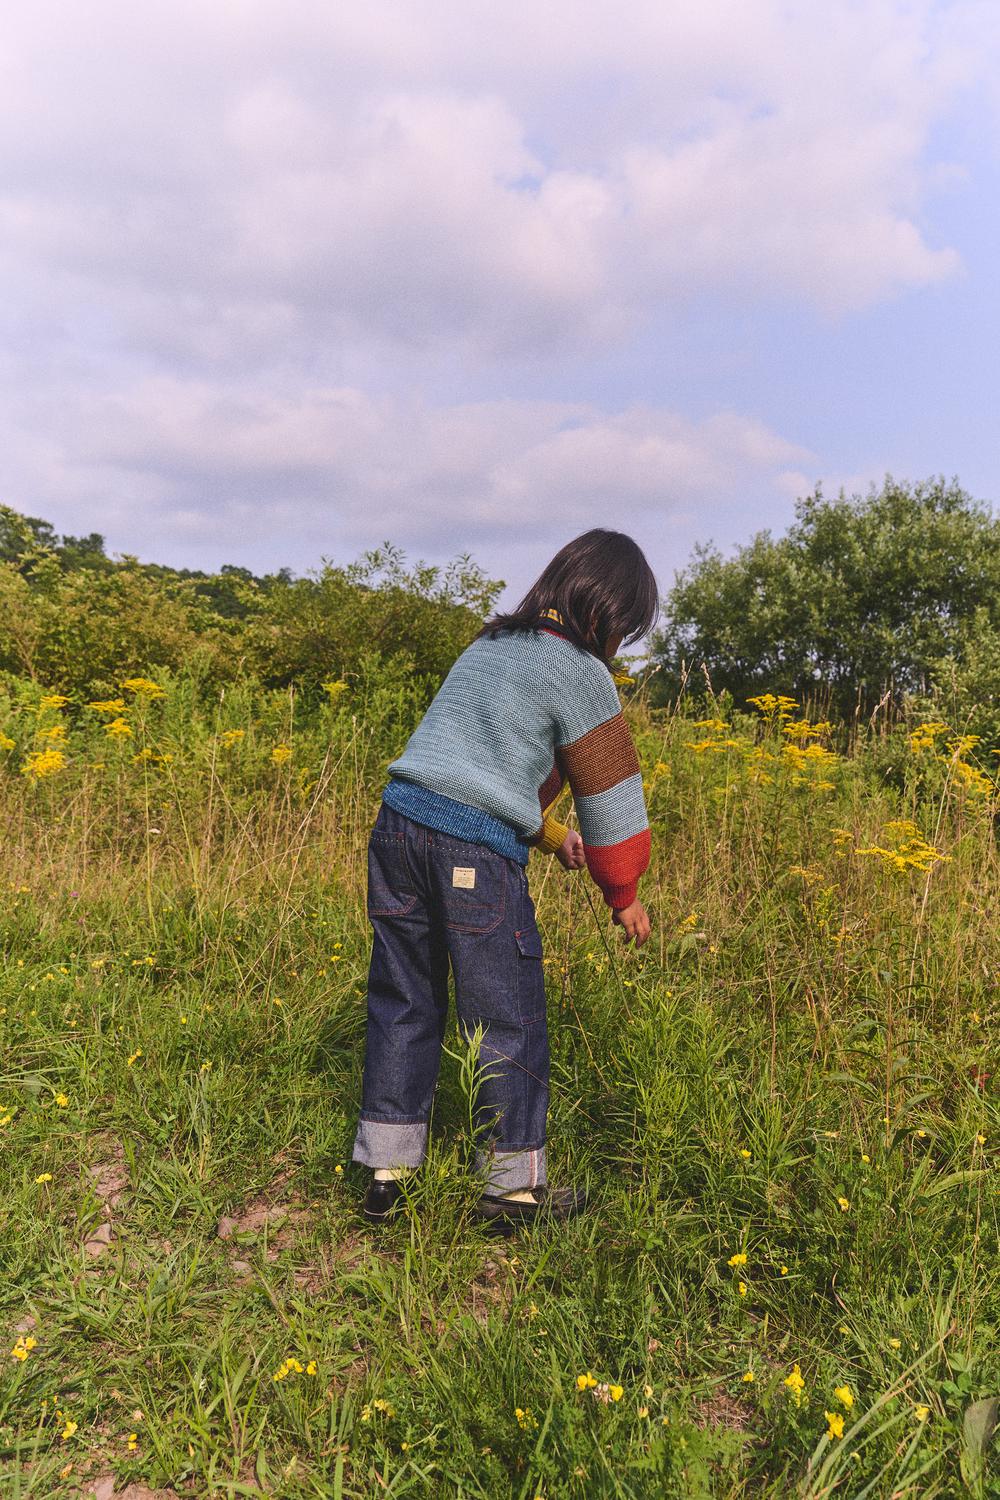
381 1200
504 1215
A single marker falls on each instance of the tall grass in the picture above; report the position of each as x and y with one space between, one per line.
798 1069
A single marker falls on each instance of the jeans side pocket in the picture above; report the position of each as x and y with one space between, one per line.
530 974
390 886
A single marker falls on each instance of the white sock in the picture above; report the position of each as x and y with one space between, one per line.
390 1174
522 1195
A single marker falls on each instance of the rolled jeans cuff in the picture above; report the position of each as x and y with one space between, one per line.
379 1144
512 1171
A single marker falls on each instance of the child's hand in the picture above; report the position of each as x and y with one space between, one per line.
570 852
635 922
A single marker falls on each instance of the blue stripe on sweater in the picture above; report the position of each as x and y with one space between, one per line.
611 816
457 819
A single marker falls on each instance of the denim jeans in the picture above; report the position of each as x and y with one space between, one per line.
432 900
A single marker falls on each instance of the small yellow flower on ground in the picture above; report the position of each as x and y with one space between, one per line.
795 1383
68 1430
311 1367
748 1377
783 1270
844 1395
44 1177
745 1153
741 1287
338 1169
617 1392
895 1344
739 1259
836 1427
62 1101
585 1382
921 1413
844 1203
133 1441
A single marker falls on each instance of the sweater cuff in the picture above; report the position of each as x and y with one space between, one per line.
551 835
620 896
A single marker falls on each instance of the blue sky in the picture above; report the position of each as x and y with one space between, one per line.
283 285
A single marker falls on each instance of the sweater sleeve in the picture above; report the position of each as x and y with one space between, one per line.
552 833
602 769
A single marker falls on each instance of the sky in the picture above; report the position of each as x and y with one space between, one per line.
281 283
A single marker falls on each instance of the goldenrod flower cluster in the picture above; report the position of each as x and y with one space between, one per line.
911 850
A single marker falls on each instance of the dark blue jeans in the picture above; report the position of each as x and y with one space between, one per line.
432 900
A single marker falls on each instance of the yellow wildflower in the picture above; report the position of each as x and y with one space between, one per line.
62 1101
280 754
745 1153
143 688
42 763
748 1377
311 1367
795 1384
844 1203
836 1427
616 1392
525 1420
134 1057
783 1270
844 1395
334 690
53 700
739 1259
44 1177
68 1430
118 729
741 1287
108 706
6 743
895 1344
133 1441
585 1382
921 1413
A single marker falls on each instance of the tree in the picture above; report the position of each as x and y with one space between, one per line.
862 595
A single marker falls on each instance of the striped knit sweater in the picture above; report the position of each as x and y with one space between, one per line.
516 718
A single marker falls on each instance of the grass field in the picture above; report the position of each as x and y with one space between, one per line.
785 1108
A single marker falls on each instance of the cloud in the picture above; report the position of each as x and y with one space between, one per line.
255 259
229 179
330 471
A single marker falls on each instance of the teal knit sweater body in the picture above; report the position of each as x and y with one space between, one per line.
515 717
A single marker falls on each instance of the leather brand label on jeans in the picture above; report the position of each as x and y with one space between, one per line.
463 877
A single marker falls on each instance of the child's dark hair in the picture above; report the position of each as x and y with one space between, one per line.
601 585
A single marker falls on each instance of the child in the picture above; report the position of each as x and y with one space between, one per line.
531 703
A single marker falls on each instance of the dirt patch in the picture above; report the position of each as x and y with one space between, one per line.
273 1209
721 1410
108 1180
104 1489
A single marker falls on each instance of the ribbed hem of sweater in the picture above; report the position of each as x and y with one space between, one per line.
457 819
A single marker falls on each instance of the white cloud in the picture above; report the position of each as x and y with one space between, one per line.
241 243
329 471
512 179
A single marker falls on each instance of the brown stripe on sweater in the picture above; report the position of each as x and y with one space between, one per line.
600 758
550 787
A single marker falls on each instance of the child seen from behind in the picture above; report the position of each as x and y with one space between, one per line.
529 706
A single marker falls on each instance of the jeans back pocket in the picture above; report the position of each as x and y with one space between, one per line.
391 892
472 886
